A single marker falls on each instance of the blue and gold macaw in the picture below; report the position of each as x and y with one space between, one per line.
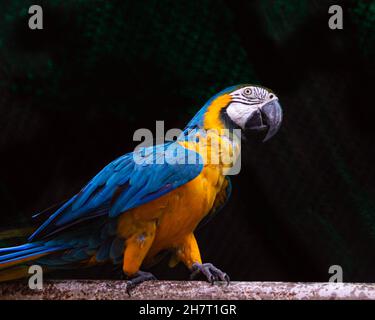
151 200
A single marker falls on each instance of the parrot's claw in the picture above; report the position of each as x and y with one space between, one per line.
140 276
210 272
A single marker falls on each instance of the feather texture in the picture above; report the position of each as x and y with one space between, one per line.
143 181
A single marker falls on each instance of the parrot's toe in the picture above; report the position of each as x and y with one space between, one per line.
140 276
211 273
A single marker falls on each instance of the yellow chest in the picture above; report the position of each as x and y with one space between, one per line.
178 213
187 206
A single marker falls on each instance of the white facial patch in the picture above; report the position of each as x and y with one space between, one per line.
245 101
240 112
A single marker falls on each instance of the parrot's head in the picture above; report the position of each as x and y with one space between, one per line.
250 108
253 109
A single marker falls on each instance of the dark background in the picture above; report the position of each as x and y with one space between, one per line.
72 95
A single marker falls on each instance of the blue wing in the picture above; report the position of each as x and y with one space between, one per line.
127 182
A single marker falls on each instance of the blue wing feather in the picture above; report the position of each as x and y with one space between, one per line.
127 182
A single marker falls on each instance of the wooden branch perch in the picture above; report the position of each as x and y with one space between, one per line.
95 289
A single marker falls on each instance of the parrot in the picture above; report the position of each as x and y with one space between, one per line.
151 201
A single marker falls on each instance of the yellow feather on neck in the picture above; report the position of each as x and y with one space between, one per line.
212 117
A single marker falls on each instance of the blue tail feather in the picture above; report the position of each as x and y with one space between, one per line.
18 248
26 251
21 253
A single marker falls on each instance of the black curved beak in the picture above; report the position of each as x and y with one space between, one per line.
273 116
269 118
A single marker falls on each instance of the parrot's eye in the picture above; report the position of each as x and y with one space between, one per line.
247 92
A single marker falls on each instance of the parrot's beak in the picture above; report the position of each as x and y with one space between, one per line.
273 116
269 118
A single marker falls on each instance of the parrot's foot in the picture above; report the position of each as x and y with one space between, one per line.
140 276
210 272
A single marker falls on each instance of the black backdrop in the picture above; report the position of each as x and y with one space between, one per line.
72 95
